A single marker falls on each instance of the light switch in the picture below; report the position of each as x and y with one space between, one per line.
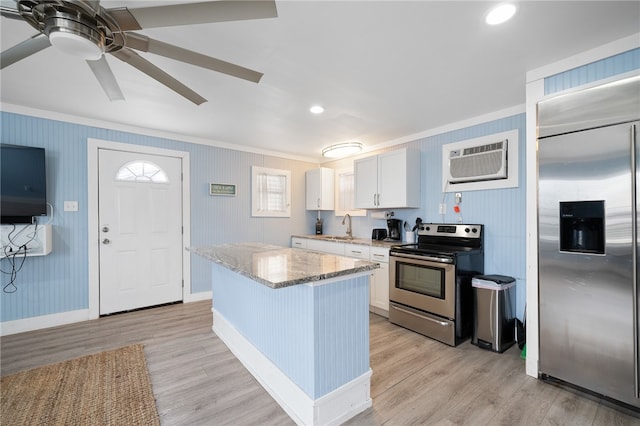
70 206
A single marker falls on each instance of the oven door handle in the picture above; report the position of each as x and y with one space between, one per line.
428 258
442 323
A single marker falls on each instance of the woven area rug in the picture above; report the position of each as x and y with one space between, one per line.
108 388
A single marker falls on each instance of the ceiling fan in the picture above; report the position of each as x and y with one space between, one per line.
86 29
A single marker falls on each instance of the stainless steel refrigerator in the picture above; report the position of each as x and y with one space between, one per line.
588 194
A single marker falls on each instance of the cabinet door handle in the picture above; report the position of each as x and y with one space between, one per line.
318 202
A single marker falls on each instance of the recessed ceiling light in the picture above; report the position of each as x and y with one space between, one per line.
501 13
316 109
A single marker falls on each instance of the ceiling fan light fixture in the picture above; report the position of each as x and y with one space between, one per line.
75 45
341 149
500 14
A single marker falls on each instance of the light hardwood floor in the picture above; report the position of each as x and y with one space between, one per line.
197 381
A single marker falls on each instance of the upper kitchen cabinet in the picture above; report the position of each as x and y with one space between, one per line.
389 180
320 186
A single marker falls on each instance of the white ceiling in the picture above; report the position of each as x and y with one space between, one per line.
382 70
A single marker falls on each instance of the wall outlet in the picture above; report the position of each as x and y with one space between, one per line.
443 208
70 206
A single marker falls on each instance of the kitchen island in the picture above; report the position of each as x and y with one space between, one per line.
299 322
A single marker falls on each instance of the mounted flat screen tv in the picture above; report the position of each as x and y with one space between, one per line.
23 183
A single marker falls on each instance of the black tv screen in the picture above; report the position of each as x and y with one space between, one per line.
23 183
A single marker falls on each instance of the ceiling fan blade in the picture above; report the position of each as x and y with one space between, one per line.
24 49
107 80
192 13
137 61
10 13
145 44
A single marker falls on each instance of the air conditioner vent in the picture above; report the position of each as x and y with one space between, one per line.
478 163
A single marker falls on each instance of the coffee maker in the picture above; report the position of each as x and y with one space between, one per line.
395 229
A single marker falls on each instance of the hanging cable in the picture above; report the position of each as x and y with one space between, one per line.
16 257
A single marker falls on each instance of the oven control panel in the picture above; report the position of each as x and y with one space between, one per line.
457 230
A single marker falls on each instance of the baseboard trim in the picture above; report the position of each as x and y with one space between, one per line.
379 311
333 408
196 297
63 318
43 321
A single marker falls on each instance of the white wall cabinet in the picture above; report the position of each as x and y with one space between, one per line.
320 189
388 180
379 281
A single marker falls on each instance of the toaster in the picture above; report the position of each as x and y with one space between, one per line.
379 234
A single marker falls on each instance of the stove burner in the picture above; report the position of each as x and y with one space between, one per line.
444 240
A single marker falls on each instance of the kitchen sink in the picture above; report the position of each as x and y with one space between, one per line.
336 237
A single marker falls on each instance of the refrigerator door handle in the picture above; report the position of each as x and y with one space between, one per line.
634 253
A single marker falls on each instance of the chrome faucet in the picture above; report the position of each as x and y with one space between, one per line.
348 216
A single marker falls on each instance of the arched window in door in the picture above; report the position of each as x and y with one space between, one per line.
141 171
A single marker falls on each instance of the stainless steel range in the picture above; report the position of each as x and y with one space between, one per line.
430 282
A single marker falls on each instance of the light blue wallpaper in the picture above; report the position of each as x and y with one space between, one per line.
317 336
609 67
501 211
59 282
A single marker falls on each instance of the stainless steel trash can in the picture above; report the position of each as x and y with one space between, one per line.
494 298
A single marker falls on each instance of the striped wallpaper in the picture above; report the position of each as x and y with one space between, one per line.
609 67
501 211
58 282
318 336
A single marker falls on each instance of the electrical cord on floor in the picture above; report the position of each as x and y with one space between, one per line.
17 257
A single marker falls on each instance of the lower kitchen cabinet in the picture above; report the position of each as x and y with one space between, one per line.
379 282
300 243
379 288
325 247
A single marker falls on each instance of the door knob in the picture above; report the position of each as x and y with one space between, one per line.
106 241
105 229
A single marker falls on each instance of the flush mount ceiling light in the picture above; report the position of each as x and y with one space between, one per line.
75 45
87 30
76 34
501 13
342 149
316 109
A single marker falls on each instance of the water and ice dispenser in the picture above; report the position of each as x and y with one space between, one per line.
582 226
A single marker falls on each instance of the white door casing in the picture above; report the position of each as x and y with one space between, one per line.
93 234
140 217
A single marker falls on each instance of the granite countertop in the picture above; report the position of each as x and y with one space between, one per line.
278 267
361 241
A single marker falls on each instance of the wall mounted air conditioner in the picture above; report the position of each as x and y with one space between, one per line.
476 163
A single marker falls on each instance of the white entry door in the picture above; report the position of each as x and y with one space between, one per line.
140 217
